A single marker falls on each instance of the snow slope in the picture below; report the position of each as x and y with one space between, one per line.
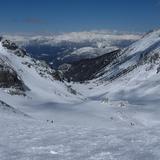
9 111
134 55
138 87
40 141
37 77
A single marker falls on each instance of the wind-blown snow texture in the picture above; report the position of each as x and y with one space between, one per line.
106 120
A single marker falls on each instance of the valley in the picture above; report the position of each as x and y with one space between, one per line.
106 107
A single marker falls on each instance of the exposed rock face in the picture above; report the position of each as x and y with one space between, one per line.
9 78
9 45
86 69
20 52
9 74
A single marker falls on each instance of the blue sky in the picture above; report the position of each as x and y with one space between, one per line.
78 15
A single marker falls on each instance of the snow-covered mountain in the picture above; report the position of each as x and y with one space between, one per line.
117 63
113 116
74 46
131 81
145 50
133 76
32 79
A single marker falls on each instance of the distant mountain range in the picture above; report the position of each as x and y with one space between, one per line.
70 47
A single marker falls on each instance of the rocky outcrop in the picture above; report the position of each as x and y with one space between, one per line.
13 47
9 78
9 45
